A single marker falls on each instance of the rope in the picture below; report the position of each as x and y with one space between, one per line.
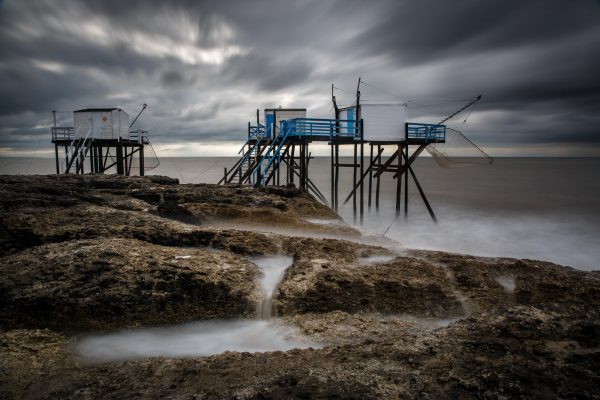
383 91
205 170
340 89
413 100
469 114
37 147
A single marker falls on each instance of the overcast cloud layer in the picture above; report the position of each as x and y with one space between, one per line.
204 67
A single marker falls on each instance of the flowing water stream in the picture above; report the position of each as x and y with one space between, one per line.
202 338
273 268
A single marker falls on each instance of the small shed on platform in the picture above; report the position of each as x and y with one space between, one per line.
382 122
274 116
106 123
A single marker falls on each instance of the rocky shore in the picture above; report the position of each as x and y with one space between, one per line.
104 253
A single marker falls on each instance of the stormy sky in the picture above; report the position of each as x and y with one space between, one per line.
204 67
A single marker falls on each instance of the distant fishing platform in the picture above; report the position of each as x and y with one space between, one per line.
100 140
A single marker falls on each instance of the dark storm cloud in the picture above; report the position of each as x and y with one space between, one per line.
267 71
429 29
205 66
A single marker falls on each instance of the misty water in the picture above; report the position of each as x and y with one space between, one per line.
203 338
536 208
272 268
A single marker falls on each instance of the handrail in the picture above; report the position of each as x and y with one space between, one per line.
70 151
244 146
299 127
256 131
141 135
62 132
249 153
277 153
426 132
70 148
279 139
326 127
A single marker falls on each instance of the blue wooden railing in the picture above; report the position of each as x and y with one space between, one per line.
325 128
425 132
255 132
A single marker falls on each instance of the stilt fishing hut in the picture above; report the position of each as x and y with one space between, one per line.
98 140
281 145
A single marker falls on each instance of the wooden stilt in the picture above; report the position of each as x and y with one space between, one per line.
421 192
142 172
378 176
91 157
370 175
362 172
126 160
337 175
332 178
407 165
354 165
120 164
399 183
292 163
57 159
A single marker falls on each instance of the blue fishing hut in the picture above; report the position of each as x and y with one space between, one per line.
277 150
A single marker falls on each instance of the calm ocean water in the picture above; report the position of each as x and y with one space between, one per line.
539 208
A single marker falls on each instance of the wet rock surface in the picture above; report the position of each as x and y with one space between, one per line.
107 253
101 284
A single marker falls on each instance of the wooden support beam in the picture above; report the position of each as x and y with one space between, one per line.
421 192
126 160
142 172
383 167
104 167
370 170
311 184
399 182
354 183
362 174
337 175
275 167
332 177
120 169
91 157
70 162
407 163
57 159
378 177
412 158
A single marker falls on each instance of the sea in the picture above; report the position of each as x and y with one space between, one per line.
535 208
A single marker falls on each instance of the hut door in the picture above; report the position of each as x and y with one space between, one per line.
97 125
269 120
350 120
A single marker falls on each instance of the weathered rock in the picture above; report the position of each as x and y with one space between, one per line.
487 283
47 209
102 253
515 352
120 283
328 276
